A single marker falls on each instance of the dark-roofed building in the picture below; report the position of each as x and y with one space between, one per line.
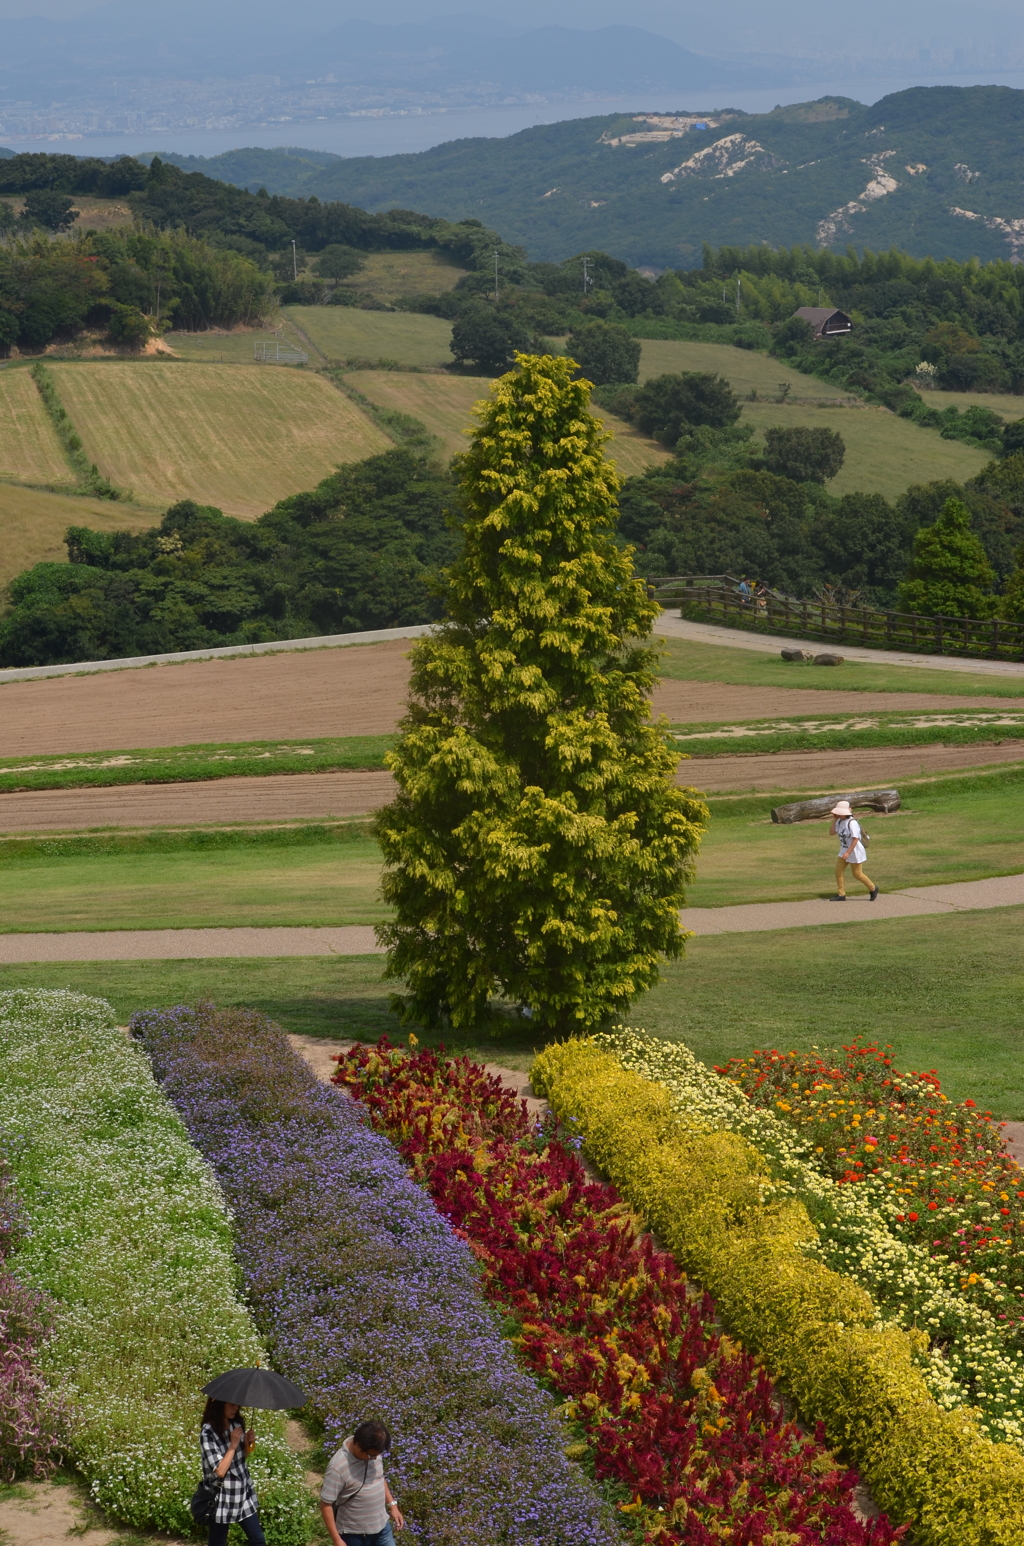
826 321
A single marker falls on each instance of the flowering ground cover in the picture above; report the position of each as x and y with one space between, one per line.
368 1299
129 1239
675 1414
752 1243
971 1356
31 1417
937 1171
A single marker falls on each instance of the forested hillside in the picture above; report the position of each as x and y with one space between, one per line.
932 170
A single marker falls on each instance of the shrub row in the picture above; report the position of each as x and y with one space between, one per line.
972 1356
32 1419
709 1196
129 1238
673 1414
368 1299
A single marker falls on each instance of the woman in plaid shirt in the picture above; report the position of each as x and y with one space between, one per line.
225 1447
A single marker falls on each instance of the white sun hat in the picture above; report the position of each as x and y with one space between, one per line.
844 808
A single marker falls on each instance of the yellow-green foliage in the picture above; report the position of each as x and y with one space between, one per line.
706 1194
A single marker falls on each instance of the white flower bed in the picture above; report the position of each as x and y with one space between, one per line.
968 1363
131 1238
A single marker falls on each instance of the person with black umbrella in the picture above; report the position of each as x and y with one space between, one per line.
226 1495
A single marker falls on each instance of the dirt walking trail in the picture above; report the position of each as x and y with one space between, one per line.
288 797
359 690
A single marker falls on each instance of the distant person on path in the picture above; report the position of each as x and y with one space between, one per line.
226 1447
851 851
355 1500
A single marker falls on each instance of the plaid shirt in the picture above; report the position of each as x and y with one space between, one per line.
237 1497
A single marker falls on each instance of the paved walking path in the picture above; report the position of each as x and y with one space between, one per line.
359 939
672 626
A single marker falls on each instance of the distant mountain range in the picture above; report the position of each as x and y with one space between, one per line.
933 170
120 66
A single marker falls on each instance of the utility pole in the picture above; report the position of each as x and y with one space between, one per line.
737 292
587 281
295 261
495 274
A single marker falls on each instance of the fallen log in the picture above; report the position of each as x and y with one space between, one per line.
885 800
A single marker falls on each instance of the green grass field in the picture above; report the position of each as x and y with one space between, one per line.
947 831
688 661
183 886
33 523
444 405
944 991
884 454
235 348
186 764
747 369
239 437
959 829
1003 403
29 448
343 333
388 275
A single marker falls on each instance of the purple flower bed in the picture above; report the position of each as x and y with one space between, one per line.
367 1298
30 1416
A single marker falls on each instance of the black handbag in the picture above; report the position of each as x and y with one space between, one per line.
204 1501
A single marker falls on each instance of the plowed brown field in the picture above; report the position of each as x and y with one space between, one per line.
358 690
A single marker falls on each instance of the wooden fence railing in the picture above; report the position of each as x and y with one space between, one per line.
716 598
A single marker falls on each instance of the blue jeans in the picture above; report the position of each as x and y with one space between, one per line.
251 1526
381 1538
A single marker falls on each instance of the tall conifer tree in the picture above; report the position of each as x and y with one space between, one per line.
538 847
950 575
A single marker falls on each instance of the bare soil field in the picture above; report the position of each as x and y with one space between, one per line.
33 523
359 690
444 404
323 796
237 436
29 448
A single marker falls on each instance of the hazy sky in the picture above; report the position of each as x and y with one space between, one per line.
785 26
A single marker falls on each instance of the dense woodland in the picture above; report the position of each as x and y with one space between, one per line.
354 553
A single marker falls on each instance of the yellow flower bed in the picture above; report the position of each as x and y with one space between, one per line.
706 1194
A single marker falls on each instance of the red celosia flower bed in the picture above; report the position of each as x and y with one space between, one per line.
674 1412
939 1170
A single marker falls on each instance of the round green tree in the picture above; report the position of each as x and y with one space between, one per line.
605 352
669 406
950 575
538 847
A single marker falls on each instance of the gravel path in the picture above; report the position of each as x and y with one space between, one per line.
204 944
676 627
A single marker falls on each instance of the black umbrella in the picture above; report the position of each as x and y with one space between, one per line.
256 1387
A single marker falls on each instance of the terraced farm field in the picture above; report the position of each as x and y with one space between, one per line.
237 436
346 333
387 275
33 523
29 448
444 403
884 454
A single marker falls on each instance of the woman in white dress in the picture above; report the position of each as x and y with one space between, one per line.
852 852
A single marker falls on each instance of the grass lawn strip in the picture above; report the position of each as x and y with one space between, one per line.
687 661
674 1414
708 1195
973 1326
367 1297
130 1239
191 764
758 738
32 1416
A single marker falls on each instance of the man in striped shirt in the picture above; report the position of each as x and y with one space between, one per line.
355 1500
